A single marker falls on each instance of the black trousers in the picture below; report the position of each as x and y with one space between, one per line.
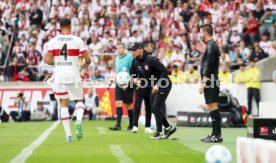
140 95
26 115
252 92
158 107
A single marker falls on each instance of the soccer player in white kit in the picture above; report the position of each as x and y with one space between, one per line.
64 52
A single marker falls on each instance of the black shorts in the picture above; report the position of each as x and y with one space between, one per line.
211 93
124 95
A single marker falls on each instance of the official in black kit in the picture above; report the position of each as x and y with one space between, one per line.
142 92
210 81
154 73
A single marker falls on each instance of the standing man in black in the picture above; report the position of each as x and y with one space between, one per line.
154 73
210 82
142 92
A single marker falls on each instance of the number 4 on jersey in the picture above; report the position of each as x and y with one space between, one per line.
64 52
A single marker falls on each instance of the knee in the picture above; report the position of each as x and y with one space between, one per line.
119 103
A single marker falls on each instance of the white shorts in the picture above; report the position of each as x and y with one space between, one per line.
72 91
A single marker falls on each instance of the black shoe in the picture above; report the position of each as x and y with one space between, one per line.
129 128
214 139
157 136
115 128
169 132
207 137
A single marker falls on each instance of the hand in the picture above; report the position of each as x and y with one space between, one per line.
155 89
201 89
137 82
125 87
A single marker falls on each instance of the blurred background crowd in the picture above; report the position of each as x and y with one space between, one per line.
243 29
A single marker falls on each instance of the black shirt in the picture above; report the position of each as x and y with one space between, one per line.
148 67
210 61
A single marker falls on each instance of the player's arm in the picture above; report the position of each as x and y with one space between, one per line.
87 60
84 53
50 58
157 65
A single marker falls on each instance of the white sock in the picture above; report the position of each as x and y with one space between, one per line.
65 118
79 111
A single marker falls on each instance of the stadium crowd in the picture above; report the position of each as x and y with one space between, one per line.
244 30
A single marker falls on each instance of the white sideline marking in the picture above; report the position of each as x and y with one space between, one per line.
101 130
118 152
26 152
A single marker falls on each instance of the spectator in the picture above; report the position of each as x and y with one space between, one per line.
225 75
177 57
253 85
193 56
191 76
22 113
274 76
177 76
272 50
31 70
36 15
258 54
22 76
98 76
18 51
269 23
252 29
109 74
44 75
265 43
240 77
244 51
91 102
259 11
14 68
41 113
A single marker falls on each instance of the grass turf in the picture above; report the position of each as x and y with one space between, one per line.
16 136
96 146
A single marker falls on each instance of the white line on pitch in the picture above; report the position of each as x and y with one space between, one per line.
101 130
118 152
26 152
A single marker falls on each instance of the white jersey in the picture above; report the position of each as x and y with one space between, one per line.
66 49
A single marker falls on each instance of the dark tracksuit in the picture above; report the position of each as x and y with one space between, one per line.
140 95
210 68
149 67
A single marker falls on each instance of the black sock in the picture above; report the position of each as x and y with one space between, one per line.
130 117
213 124
217 122
119 111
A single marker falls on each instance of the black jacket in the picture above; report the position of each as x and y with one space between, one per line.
38 20
210 61
148 67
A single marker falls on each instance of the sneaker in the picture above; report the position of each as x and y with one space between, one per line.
157 136
129 128
207 137
115 128
69 138
169 132
79 132
148 130
214 139
134 129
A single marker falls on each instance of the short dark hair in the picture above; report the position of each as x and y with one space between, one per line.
65 22
207 28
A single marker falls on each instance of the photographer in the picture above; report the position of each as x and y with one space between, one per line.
22 114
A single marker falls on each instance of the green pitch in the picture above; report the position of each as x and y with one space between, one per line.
104 146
